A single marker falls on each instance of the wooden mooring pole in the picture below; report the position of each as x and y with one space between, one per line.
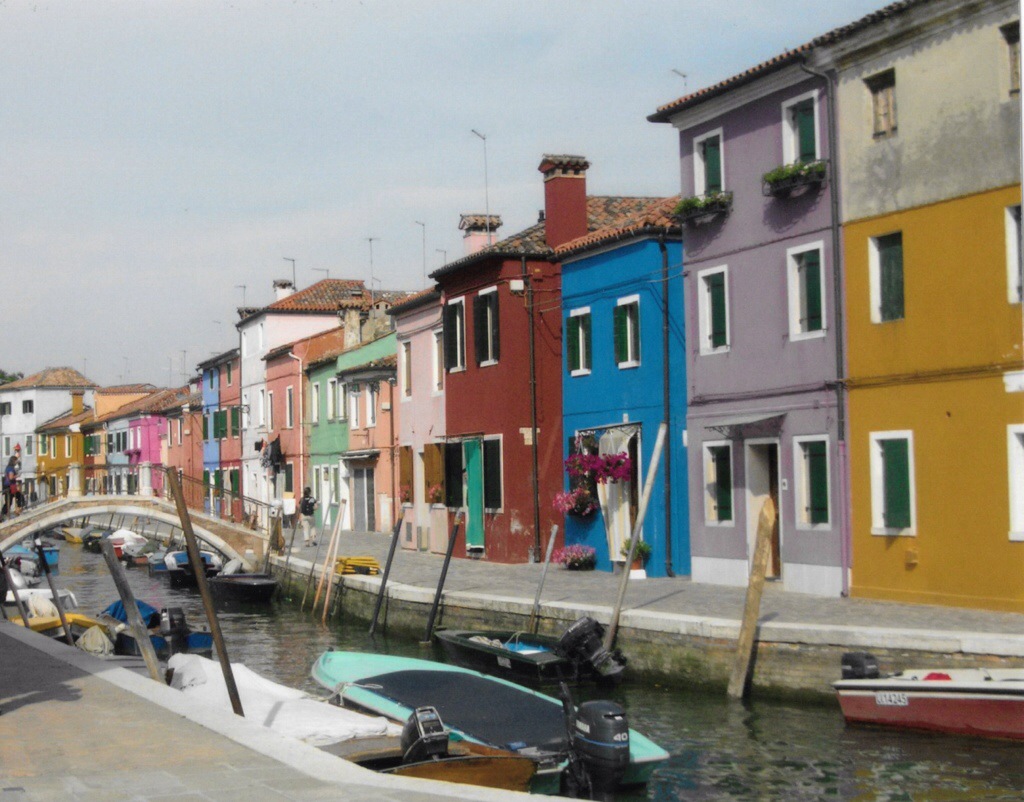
20 602
738 682
131 610
38 544
535 611
440 582
387 572
199 568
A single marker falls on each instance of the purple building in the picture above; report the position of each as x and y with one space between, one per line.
764 405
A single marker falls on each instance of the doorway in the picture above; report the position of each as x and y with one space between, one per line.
762 481
363 507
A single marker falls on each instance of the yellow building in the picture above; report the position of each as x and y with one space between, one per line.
60 446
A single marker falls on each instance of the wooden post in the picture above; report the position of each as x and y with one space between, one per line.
332 549
535 612
131 610
196 561
329 571
319 542
20 602
745 645
444 574
387 571
659 444
53 591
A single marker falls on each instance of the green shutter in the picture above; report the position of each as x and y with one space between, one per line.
236 420
633 316
712 165
233 479
723 482
495 328
811 264
803 119
896 479
480 328
817 479
206 427
588 359
218 481
572 338
206 478
890 261
716 296
621 335
492 474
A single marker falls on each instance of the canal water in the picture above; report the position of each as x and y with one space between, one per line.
764 750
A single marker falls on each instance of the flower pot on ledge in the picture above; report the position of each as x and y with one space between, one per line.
784 181
700 208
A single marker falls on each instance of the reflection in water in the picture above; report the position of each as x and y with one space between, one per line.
720 751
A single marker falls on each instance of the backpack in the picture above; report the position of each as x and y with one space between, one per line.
306 505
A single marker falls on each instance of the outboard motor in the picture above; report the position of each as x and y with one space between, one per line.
582 644
859 665
174 629
424 736
598 740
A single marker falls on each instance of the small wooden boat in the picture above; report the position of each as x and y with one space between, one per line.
578 654
179 570
26 549
53 627
169 632
497 713
245 588
422 748
964 701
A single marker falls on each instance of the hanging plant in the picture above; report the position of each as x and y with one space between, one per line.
578 502
600 468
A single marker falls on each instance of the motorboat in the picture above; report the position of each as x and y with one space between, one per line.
179 570
419 748
51 551
578 654
563 740
169 632
987 702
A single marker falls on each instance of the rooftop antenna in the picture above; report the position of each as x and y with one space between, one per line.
242 288
444 255
424 227
487 201
325 270
294 285
371 240
184 376
681 75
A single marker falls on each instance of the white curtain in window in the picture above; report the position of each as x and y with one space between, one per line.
614 496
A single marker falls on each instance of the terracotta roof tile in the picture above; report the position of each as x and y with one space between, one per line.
479 222
327 295
123 389
65 419
316 345
51 377
664 113
417 299
655 215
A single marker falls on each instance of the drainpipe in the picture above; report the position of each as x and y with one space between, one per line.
665 375
837 311
533 415
302 434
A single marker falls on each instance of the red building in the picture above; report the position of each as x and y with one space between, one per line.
503 363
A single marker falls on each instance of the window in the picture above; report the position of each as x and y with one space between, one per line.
314 403
492 474
1011 35
626 331
261 407
245 343
7 446
886 280
5 407
220 424
206 428
270 411
892 483
810 461
67 445
455 335
332 399
433 471
181 438
883 103
28 445
438 361
371 405
27 407
53 444
210 374
485 326
354 394
717 482
1014 277
259 337
406 370
335 483
453 474
245 410
713 310
405 475
289 407
800 129
708 175
236 420
806 304
43 450
228 369
289 486
578 343
1015 444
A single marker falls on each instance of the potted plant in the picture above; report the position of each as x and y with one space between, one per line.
578 501
576 557
781 181
697 207
435 494
640 555
406 494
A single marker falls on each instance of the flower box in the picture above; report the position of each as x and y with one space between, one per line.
703 207
783 181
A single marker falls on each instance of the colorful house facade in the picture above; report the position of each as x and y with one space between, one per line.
624 374
931 194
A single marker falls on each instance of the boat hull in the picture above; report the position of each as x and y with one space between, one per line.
985 704
247 588
535 662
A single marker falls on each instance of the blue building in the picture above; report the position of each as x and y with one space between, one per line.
624 374
212 370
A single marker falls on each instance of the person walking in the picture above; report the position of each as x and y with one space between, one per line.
307 507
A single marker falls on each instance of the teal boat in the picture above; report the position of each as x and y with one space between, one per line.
486 710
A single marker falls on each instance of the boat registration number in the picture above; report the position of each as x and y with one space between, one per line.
504 662
891 699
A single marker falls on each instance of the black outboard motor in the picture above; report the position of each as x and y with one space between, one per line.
174 629
598 740
859 665
582 644
424 736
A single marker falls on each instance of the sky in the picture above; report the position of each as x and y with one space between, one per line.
161 163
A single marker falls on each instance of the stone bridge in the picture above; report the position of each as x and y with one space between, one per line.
232 540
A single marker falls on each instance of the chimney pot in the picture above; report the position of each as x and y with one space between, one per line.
565 198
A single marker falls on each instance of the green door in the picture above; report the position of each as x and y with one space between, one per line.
474 494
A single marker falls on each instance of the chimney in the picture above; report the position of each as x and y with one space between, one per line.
565 198
77 401
480 231
351 320
283 288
